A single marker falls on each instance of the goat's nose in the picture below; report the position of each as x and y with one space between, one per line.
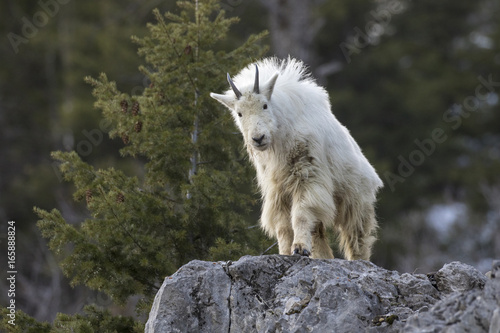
259 140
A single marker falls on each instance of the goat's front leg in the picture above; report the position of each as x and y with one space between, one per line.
284 234
311 208
303 222
275 220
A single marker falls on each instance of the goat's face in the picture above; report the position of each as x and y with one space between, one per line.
252 111
254 116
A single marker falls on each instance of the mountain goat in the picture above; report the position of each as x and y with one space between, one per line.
311 173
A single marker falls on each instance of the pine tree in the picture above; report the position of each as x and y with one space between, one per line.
190 200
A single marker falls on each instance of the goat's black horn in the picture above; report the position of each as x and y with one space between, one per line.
256 84
236 91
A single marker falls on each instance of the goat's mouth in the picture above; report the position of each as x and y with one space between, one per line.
260 146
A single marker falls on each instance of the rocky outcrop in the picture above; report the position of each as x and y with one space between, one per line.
297 294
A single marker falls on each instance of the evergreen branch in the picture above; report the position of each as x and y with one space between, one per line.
174 201
120 222
144 282
196 54
204 162
172 43
269 248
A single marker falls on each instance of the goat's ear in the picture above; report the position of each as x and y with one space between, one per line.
226 100
268 88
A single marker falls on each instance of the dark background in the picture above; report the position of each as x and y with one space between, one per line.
416 82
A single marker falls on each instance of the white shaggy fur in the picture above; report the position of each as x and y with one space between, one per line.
311 172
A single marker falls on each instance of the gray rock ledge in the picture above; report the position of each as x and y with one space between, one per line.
297 294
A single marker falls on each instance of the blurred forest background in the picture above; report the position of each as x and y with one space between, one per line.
416 82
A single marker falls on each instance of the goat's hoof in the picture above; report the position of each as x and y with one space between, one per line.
299 251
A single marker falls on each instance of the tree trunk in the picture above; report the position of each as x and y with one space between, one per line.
292 30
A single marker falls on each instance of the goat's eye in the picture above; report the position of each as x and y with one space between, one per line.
240 115
265 106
